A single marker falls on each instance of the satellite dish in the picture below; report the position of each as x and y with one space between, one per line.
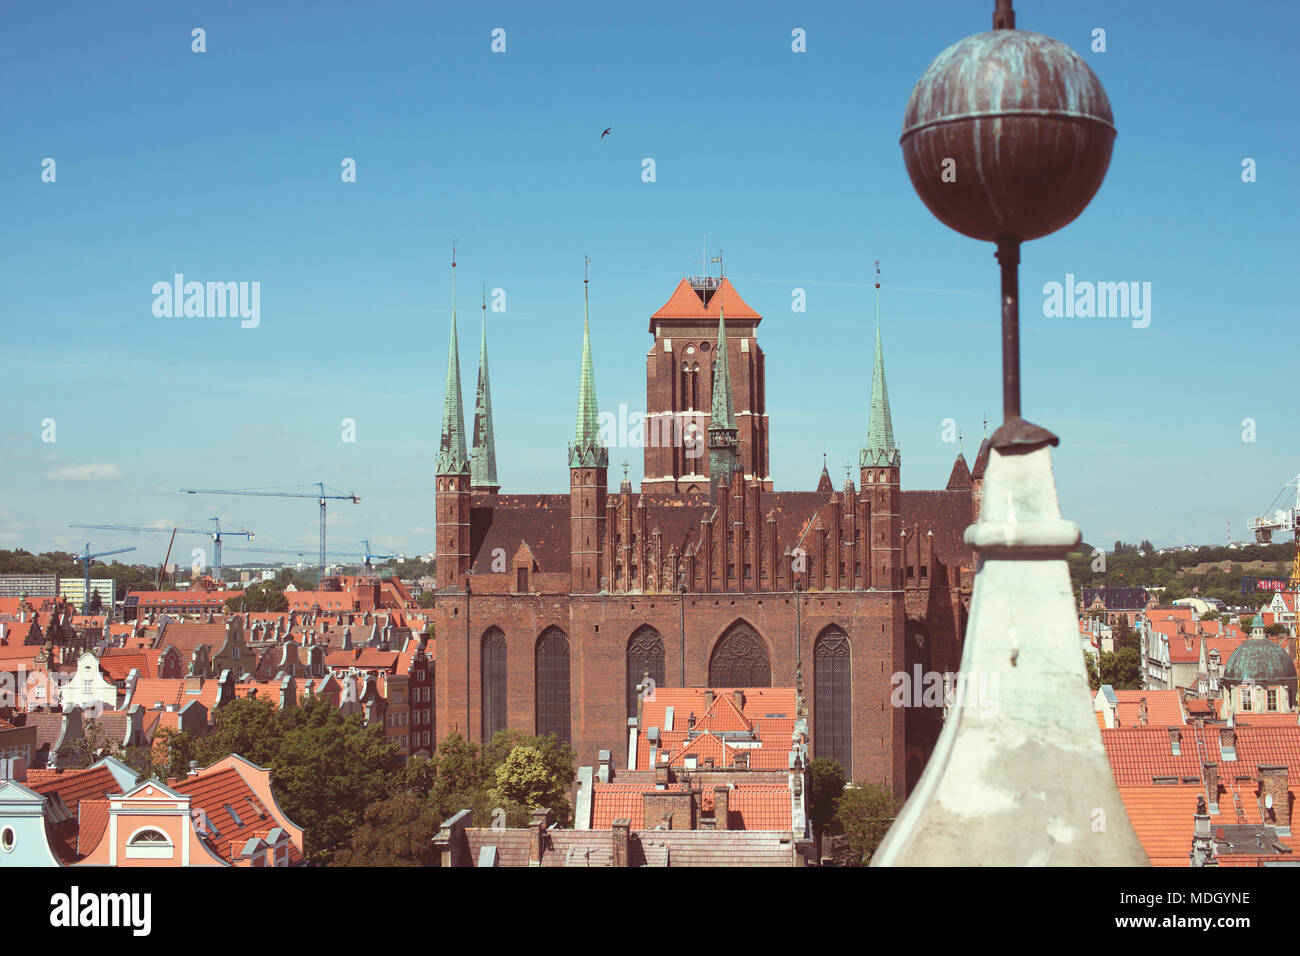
1268 801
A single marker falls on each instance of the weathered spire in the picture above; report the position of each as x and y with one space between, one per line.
721 416
880 449
483 461
452 458
723 454
587 450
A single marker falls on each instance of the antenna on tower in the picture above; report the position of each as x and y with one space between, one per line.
453 277
877 295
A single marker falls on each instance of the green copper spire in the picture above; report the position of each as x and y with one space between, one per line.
483 461
721 415
723 453
880 449
586 450
452 459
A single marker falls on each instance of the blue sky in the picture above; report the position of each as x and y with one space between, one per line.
225 166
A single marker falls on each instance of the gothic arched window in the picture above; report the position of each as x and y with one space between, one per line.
645 654
553 684
740 659
833 698
494 682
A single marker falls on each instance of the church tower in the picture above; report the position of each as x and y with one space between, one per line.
880 462
681 367
483 460
588 475
452 470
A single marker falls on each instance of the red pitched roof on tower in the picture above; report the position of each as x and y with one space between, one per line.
685 303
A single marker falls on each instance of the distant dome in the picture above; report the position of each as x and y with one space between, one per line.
1262 661
1257 621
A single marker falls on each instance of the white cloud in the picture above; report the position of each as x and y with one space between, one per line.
85 472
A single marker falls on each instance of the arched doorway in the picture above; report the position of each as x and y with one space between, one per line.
740 659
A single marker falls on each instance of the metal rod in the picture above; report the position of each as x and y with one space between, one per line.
1008 255
1004 18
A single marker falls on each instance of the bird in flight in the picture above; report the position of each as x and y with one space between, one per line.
606 133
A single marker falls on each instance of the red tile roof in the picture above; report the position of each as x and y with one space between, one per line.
685 303
118 662
92 824
1163 708
73 786
217 794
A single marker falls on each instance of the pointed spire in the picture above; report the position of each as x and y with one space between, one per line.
880 449
452 457
721 416
483 461
586 449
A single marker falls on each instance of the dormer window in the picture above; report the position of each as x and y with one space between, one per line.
149 844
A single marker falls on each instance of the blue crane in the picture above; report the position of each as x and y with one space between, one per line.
367 555
215 534
320 494
85 560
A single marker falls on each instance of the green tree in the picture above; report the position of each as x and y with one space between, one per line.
172 752
425 599
247 726
1123 635
267 596
827 780
525 778
327 770
864 814
1122 669
398 831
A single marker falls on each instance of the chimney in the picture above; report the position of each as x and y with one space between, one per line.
1212 784
721 820
1142 711
738 697
661 776
690 722
1228 742
537 834
621 828
708 699
1175 741
14 768
194 768
1273 789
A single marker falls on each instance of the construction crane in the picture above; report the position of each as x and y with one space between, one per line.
85 560
1282 519
367 556
365 543
320 494
215 534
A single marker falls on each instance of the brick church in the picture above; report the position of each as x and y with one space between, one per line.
552 608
